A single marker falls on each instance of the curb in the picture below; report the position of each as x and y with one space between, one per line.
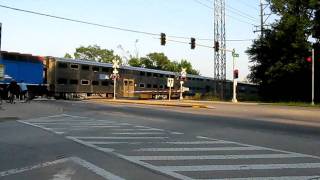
185 105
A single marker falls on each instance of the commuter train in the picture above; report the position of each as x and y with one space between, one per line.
67 77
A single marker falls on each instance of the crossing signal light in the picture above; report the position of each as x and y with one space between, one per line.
163 39
236 74
193 43
216 46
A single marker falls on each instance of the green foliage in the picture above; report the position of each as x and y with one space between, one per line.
278 58
94 53
68 56
161 62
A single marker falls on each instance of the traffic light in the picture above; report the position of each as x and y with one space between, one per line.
309 59
163 39
216 46
236 74
193 43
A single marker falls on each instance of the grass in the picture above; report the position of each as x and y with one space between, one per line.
298 104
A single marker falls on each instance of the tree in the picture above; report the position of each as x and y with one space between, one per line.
161 62
68 56
94 53
278 58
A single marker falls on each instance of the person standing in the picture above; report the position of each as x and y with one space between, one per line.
24 90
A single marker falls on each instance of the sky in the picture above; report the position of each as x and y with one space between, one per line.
38 35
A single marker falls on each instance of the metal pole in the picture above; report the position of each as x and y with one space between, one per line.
114 88
234 99
261 14
313 62
181 83
170 93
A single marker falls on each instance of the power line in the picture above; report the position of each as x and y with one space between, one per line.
233 10
209 7
94 24
79 21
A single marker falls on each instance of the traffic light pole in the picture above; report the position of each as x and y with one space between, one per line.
234 99
114 88
235 83
313 62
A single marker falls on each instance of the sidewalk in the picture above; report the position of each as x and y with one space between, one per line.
173 103
21 110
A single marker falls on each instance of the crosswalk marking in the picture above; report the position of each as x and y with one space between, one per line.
200 142
216 157
203 149
138 130
211 149
85 137
273 178
241 167
139 133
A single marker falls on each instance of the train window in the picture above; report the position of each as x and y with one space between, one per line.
74 81
95 83
142 73
74 66
85 82
188 79
62 65
105 69
62 81
105 83
161 75
155 75
95 69
149 86
126 83
167 76
171 76
142 85
85 67
161 86
149 74
155 86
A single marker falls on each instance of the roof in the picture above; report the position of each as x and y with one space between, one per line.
94 63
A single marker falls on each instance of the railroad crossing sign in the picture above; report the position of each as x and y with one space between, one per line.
1 71
170 82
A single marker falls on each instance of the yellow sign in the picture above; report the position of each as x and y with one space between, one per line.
1 71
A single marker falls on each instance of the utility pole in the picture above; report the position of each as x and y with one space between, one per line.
263 20
313 64
220 39
0 36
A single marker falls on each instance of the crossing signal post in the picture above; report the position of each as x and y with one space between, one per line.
193 43
0 34
183 77
163 39
115 76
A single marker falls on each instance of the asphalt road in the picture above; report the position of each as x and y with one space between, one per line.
89 141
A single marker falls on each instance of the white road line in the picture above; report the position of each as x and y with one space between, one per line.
199 142
202 149
216 157
242 167
29 168
138 130
273 178
106 143
108 150
270 149
120 137
95 169
94 126
177 133
139 133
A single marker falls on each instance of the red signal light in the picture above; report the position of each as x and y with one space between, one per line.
309 59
